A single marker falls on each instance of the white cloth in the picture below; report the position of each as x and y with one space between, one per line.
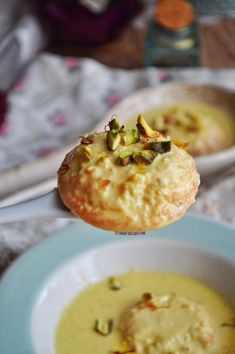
20 43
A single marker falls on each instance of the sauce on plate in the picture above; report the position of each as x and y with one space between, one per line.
206 129
76 332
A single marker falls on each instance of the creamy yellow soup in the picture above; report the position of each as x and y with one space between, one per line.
206 129
206 319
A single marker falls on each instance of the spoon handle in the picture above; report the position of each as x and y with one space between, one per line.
48 205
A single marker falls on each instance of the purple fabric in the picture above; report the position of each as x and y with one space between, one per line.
72 23
3 107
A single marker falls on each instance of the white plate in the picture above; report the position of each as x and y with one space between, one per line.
164 94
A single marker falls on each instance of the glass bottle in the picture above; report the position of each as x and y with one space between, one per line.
172 36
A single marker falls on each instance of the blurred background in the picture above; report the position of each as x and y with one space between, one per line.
118 33
65 63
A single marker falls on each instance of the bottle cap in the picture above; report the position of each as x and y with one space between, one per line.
174 14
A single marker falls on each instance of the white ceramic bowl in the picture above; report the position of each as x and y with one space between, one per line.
116 258
164 94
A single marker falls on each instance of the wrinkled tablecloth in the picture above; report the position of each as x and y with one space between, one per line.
59 99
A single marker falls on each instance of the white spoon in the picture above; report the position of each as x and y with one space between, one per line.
48 205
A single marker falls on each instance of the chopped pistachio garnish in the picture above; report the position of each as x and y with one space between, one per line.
84 153
87 139
160 146
145 157
114 284
125 158
147 296
144 128
113 139
129 137
229 323
104 327
114 124
144 134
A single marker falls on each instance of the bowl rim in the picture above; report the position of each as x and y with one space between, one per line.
63 243
98 256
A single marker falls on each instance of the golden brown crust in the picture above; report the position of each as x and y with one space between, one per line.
128 198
